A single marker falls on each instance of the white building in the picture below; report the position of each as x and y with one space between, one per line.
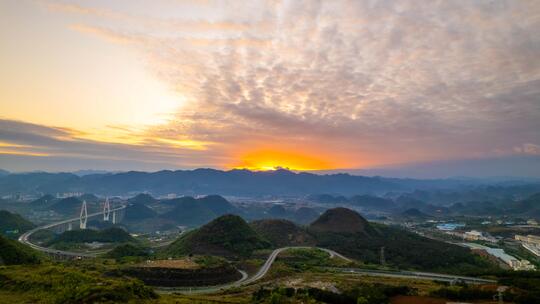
499 253
530 242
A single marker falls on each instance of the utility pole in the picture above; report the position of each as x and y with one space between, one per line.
383 261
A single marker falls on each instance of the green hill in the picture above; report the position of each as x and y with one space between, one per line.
189 212
195 212
142 199
138 212
89 198
414 213
110 235
341 220
371 202
282 233
217 204
228 236
348 233
305 215
43 201
69 205
12 224
14 253
126 250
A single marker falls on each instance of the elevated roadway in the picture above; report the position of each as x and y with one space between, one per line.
25 238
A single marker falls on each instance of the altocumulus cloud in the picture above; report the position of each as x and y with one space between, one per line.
359 80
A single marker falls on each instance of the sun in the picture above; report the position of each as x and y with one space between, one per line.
267 160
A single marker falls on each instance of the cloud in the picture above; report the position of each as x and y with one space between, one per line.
528 148
21 139
371 83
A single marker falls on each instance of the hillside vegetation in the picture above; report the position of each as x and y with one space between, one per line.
346 232
341 220
110 235
127 250
340 229
14 253
68 285
282 233
189 211
12 224
142 198
135 212
228 236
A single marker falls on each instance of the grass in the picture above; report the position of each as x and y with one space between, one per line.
58 283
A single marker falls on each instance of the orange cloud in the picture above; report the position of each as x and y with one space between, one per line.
273 159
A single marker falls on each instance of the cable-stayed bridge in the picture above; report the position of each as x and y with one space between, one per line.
117 215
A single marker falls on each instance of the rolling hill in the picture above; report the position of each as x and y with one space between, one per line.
341 220
43 201
12 224
67 206
305 215
14 253
136 212
350 234
143 199
340 229
109 235
372 202
228 235
414 213
282 233
189 211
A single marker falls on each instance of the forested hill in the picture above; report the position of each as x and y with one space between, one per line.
208 181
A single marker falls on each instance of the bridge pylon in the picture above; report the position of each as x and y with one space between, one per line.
84 216
107 210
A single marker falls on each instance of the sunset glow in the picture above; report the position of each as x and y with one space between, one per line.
306 85
265 160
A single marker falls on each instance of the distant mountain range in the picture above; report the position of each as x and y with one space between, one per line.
208 181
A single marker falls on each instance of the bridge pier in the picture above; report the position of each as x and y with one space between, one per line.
83 219
107 210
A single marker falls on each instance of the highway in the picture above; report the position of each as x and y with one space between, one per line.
332 254
414 275
25 237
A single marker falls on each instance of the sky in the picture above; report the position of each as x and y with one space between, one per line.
408 88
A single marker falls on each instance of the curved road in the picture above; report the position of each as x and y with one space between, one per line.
245 280
381 273
25 237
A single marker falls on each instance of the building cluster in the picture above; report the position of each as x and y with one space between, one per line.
530 242
473 235
498 255
68 194
450 226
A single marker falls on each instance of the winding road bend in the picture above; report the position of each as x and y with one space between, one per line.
245 280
